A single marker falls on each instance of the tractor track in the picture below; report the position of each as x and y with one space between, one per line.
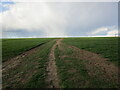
52 77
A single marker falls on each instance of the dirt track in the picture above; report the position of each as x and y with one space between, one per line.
18 59
94 63
52 78
109 71
11 65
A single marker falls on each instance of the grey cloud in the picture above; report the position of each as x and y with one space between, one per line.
60 19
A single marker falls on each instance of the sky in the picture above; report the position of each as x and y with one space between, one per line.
33 19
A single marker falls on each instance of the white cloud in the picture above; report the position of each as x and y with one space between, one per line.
34 17
0 26
107 31
61 0
57 19
112 33
99 30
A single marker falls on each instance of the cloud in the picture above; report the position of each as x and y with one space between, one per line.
99 30
105 31
61 0
31 19
112 33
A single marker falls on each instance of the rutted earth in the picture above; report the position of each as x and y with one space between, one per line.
52 77
109 71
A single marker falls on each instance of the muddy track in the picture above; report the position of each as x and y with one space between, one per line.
52 77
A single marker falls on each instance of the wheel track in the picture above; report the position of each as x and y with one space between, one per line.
52 77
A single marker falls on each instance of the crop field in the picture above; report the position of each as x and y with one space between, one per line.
13 47
60 63
107 47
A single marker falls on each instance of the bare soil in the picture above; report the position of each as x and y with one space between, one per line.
52 77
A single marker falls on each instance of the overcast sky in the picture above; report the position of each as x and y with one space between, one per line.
58 19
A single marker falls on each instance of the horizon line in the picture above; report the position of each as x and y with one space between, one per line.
55 37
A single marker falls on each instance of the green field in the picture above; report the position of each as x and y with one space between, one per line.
105 46
73 71
80 62
13 47
33 66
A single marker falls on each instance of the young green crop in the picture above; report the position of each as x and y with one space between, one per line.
73 72
105 46
14 47
31 71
